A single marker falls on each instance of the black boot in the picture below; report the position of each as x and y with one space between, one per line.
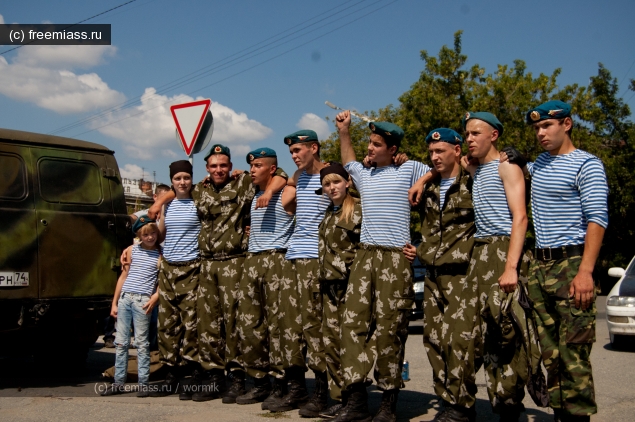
560 416
317 402
356 408
510 413
212 386
191 386
297 395
279 390
388 408
455 413
332 411
261 390
167 386
236 388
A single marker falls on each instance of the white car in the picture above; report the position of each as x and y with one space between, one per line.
620 305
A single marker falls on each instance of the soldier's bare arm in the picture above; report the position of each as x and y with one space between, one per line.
288 195
276 185
514 184
469 164
161 226
582 286
414 193
155 209
343 123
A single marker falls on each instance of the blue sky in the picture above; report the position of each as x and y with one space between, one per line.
365 56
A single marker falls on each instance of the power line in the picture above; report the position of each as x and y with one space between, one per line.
624 78
242 71
249 52
70 26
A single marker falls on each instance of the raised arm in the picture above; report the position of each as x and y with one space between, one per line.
343 123
514 184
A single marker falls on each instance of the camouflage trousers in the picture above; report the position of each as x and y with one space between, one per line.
378 299
448 326
217 304
504 359
566 335
301 325
258 312
333 293
178 289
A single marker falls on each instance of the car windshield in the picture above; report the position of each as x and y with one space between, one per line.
630 271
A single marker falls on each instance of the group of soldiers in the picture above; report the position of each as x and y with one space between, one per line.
263 304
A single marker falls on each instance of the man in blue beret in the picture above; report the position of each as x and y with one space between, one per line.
223 204
569 205
380 292
499 264
301 319
447 231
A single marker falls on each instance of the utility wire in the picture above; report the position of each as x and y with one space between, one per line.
242 71
70 26
249 52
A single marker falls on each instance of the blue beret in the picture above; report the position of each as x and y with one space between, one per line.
218 149
389 131
140 222
550 110
488 118
260 153
445 135
300 137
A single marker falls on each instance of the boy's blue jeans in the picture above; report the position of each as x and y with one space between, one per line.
130 311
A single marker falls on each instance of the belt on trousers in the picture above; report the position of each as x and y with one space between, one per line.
280 250
555 254
184 263
369 247
448 269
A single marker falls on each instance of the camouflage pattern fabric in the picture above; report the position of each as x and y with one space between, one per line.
178 290
290 320
566 336
500 350
338 243
378 299
258 312
307 271
219 283
448 327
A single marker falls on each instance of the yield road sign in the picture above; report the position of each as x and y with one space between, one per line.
194 124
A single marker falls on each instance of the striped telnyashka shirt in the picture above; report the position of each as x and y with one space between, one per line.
144 268
271 227
182 227
491 211
385 206
567 192
309 214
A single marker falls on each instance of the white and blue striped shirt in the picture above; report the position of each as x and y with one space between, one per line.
491 211
443 189
385 206
144 269
309 214
567 192
271 227
182 227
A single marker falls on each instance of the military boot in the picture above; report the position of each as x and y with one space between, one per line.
560 416
279 390
297 395
261 390
356 408
191 386
236 388
212 386
388 408
332 411
319 399
168 386
455 413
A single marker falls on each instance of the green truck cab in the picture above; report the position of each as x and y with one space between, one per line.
63 226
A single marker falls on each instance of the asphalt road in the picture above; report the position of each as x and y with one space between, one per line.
30 393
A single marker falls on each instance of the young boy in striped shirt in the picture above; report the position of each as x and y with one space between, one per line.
135 296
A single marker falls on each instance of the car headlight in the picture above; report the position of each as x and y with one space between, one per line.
621 301
418 286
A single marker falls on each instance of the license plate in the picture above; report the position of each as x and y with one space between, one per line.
13 279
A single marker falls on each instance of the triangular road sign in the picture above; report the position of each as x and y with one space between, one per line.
189 118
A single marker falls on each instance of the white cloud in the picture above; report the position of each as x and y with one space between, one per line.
45 78
148 130
1 20
131 171
316 123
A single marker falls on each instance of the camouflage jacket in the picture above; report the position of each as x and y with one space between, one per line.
338 243
224 213
448 232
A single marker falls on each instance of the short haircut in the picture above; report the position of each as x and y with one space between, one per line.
161 188
561 122
148 228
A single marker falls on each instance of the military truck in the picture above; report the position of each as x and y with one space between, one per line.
63 225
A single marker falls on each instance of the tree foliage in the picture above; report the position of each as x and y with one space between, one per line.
446 89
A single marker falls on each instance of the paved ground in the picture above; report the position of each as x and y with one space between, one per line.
28 393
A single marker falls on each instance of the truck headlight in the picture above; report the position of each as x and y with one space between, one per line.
621 301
